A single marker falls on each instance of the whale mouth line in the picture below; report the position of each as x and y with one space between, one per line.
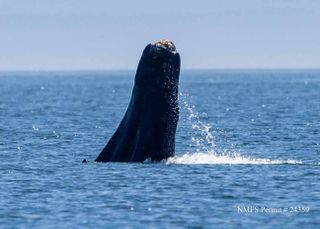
166 44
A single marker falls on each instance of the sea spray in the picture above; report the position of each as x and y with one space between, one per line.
202 138
204 142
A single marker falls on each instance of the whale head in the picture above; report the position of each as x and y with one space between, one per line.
159 66
148 127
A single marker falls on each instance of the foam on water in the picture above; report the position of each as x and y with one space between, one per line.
211 158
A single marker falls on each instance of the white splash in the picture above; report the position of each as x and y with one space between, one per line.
211 158
202 138
204 142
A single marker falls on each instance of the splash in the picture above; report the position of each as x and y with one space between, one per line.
202 138
211 158
204 143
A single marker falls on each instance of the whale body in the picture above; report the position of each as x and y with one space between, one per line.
148 128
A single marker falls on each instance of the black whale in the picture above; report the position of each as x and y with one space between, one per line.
148 127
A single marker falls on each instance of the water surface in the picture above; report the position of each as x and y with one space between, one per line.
247 141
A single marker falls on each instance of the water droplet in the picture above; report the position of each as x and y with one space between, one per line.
35 128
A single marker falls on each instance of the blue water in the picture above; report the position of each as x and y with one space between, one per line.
247 152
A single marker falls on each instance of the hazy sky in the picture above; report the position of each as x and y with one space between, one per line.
102 34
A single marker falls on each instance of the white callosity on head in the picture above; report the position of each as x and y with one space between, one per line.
166 44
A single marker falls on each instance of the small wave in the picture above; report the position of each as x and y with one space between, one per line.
211 158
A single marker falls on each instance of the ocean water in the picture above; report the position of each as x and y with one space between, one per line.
247 152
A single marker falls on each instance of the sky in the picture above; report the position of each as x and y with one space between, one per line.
209 34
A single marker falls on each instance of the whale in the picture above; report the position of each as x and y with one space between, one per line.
148 128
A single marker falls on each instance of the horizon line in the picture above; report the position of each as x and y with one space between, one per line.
185 69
